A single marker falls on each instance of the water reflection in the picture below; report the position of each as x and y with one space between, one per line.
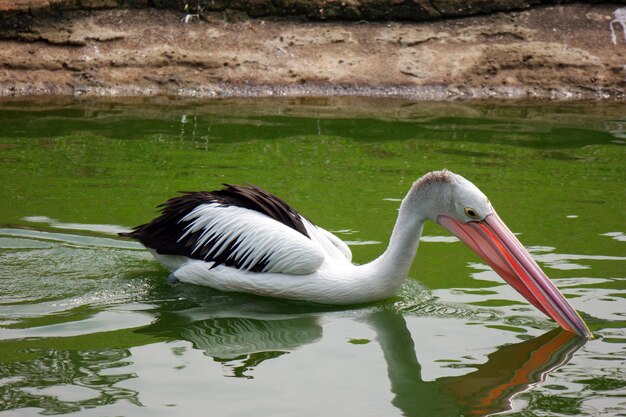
367 119
243 343
65 381
489 389
243 333
239 340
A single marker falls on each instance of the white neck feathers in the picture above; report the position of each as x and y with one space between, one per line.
395 263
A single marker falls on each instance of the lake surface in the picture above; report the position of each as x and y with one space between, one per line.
89 326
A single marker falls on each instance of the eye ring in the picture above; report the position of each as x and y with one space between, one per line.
471 213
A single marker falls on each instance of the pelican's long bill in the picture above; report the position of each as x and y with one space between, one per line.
492 240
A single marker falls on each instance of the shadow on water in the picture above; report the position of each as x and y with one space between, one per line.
373 119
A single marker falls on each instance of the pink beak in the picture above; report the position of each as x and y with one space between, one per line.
492 240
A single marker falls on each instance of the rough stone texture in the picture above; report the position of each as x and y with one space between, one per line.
558 52
310 9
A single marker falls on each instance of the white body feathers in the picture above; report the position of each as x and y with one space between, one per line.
301 268
247 240
259 237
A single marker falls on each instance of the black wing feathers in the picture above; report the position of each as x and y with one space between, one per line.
164 233
256 198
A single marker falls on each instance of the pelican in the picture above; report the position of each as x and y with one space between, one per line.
244 239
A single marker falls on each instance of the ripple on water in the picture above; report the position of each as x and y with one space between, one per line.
419 300
111 229
21 243
51 279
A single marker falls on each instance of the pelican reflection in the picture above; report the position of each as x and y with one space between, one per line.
244 336
242 343
489 389
239 331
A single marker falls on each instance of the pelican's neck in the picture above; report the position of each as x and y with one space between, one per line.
394 264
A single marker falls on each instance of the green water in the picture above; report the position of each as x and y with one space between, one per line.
89 327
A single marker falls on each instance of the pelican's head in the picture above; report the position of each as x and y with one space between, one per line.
459 206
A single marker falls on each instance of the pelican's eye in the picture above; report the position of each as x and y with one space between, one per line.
471 213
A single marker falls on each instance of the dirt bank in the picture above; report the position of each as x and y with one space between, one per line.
555 52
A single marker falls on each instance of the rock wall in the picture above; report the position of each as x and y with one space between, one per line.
371 10
573 51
